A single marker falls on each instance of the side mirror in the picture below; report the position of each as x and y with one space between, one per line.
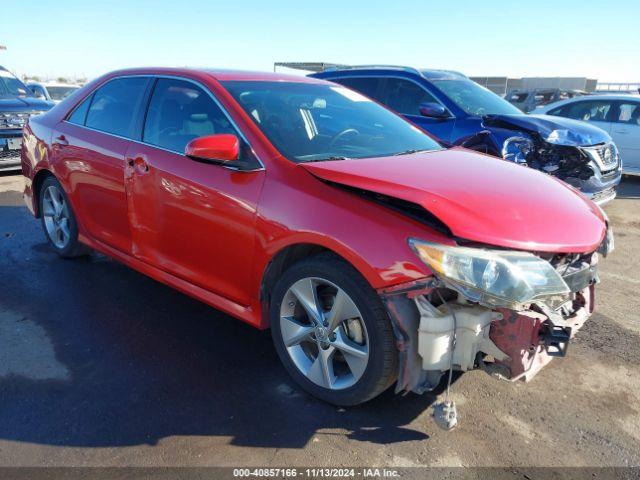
220 148
433 110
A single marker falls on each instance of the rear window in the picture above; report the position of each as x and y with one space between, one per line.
79 115
114 105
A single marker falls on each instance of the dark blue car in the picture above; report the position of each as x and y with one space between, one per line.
458 111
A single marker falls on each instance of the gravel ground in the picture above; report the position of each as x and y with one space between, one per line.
100 366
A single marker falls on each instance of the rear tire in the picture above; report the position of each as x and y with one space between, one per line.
59 221
357 359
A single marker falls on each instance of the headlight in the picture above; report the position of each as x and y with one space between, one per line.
608 244
517 149
492 277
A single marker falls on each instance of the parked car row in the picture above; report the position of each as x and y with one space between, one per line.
529 99
376 254
618 115
52 91
458 111
17 104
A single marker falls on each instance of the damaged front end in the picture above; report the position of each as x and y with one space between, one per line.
442 325
581 155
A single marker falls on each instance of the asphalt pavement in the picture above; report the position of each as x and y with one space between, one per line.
102 366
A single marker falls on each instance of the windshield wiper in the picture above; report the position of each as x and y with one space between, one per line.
327 159
409 152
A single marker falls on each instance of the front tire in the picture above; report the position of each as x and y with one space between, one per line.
332 332
58 220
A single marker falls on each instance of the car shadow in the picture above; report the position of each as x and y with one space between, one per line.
99 355
629 188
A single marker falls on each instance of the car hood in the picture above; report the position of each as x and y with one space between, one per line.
556 130
479 198
21 104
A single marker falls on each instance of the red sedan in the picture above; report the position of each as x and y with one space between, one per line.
373 253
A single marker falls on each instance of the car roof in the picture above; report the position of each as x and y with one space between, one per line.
220 74
442 74
430 74
586 98
613 96
59 84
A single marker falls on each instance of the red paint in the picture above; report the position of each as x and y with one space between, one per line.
518 334
210 231
480 199
222 147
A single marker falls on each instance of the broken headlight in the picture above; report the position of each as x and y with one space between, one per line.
493 277
517 149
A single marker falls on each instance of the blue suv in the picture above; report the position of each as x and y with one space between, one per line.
459 112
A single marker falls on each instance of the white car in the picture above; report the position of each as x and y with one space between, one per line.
618 115
53 92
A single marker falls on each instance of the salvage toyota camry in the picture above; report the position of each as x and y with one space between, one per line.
297 204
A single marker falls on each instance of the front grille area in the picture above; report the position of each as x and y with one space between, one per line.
14 120
605 155
9 154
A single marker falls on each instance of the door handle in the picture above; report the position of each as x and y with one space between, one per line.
623 132
139 164
60 140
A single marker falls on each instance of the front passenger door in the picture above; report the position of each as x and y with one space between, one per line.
405 97
192 219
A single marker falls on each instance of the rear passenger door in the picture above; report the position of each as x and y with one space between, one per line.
192 219
625 130
89 149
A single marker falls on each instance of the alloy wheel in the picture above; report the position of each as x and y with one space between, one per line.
324 333
56 216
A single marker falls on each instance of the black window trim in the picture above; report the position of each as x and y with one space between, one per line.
383 84
145 104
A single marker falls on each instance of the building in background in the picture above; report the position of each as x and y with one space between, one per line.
502 85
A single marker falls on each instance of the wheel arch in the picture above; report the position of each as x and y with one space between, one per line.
292 253
36 183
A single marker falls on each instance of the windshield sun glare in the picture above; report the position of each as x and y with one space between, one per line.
316 122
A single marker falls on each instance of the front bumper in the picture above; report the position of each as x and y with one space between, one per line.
600 187
9 154
510 344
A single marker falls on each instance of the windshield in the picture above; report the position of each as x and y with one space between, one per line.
10 86
58 93
474 99
314 122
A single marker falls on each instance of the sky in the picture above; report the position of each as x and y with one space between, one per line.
85 38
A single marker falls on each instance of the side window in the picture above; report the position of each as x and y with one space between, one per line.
588 110
79 115
404 96
368 86
114 105
628 113
38 91
180 111
560 111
